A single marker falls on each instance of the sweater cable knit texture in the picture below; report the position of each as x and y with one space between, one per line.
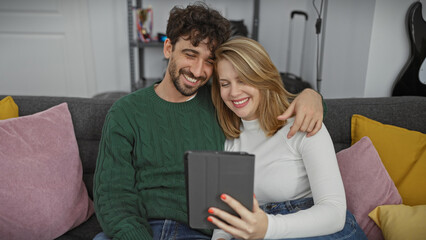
140 171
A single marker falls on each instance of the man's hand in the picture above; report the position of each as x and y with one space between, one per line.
308 108
250 224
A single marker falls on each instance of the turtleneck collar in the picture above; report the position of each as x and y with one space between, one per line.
251 125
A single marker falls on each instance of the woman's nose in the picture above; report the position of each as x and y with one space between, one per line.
234 90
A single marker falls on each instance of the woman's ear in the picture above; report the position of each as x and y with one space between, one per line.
167 48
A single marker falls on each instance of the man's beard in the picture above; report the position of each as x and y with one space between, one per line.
181 87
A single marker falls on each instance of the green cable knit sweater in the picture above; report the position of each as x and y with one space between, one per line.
140 171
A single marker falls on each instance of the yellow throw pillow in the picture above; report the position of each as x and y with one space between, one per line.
403 153
401 221
8 108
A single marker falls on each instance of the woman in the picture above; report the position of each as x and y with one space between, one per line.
298 188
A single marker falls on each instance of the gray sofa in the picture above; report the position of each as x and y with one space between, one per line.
88 117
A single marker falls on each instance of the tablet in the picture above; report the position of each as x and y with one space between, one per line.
211 173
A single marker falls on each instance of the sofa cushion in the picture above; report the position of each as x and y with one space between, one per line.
8 108
367 184
403 153
42 194
401 221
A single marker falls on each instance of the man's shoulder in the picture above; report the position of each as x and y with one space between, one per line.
206 89
134 98
124 110
204 94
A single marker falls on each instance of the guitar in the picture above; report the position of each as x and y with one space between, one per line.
412 78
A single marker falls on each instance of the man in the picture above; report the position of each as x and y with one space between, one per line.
139 184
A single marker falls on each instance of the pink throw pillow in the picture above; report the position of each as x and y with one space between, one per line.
42 194
367 184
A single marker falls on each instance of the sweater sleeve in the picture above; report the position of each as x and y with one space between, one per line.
328 214
324 106
115 197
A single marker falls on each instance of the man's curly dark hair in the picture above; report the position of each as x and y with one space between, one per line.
197 22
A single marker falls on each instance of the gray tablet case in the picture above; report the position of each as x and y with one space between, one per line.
211 173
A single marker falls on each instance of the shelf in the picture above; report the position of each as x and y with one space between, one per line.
140 44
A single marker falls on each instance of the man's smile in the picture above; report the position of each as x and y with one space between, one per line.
193 80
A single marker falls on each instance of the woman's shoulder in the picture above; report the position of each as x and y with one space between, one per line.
299 134
299 139
286 128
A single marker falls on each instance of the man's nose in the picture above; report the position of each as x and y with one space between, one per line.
198 68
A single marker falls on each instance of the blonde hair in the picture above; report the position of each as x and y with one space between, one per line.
254 67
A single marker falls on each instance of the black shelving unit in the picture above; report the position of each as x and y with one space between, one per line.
135 43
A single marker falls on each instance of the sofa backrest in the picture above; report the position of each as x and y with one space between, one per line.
88 117
406 112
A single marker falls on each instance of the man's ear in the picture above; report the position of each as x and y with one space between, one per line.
167 48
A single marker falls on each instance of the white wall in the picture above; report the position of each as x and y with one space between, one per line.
366 43
109 39
365 46
274 31
346 29
346 47
389 48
